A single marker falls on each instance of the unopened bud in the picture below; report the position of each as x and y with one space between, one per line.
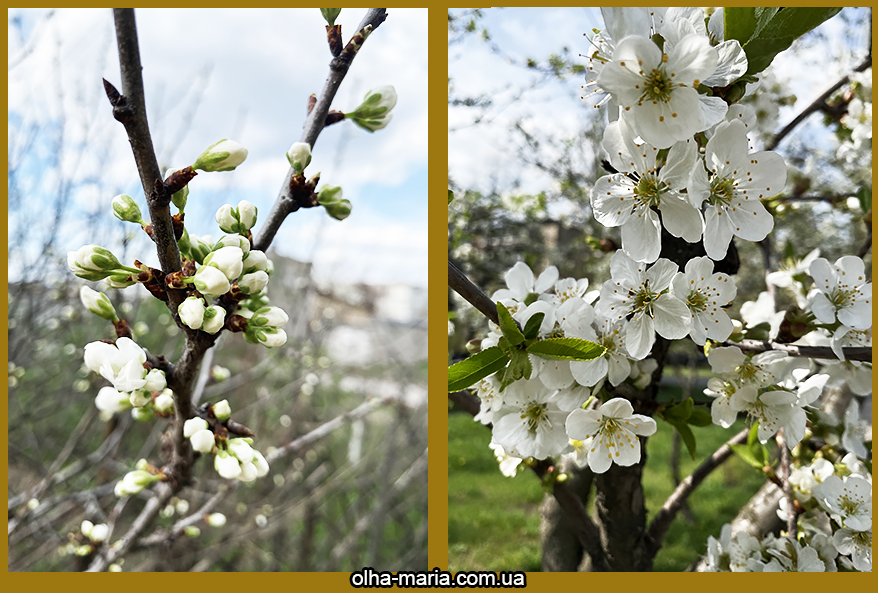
214 318
191 312
178 198
330 14
222 410
219 374
209 281
299 156
98 303
374 112
192 531
233 240
225 155
216 520
126 209
164 403
253 282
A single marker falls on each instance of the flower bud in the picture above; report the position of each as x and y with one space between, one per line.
192 531
241 449
299 156
374 112
120 280
114 567
193 425
233 241
225 155
99 532
97 303
260 463
179 198
226 219
248 472
214 319
92 262
33 504
210 281
86 527
216 520
126 209
272 337
199 248
139 398
155 380
247 214
253 282
203 441
142 414
228 260
226 466
222 410
84 550
338 210
112 401
330 14
192 312
255 260
164 403
269 317
219 374
134 482
329 194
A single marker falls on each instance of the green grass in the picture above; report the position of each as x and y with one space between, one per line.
494 521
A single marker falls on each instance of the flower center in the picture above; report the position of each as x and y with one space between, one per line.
643 299
841 298
722 190
657 87
534 415
848 506
649 190
697 301
556 332
863 539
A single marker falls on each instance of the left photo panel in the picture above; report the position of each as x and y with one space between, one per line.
217 290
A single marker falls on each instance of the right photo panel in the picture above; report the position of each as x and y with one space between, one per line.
660 296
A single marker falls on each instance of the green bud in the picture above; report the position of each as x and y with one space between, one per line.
224 155
374 112
329 194
126 209
330 14
97 303
338 210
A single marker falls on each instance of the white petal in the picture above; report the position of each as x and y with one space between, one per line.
660 274
618 407
672 317
641 236
520 279
589 372
713 111
612 199
582 424
717 233
619 369
640 336
681 219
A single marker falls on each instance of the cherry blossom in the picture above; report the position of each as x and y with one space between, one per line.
705 294
615 429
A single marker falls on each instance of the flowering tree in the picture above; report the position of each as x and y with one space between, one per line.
567 378
209 286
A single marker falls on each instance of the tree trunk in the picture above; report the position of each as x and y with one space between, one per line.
561 549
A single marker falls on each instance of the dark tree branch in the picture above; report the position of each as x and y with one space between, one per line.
314 124
817 105
861 353
663 519
462 285
867 245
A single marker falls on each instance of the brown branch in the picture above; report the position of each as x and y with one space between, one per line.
860 353
314 124
867 245
462 285
663 519
586 531
166 535
817 105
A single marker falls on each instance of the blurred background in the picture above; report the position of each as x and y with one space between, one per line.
524 152
351 494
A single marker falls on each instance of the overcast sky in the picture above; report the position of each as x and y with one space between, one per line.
244 75
479 155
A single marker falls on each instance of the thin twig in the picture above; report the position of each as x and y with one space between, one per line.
165 535
663 519
867 245
338 68
859 353
462 285
818 104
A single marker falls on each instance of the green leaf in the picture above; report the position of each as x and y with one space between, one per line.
519 367
773 30
475 368
744 452
450 196
753 435
532 327
508 326
699 416
685 433
739 23
865 198
680 412
566 349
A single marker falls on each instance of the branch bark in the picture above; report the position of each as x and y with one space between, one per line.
314 124
462 285
861 353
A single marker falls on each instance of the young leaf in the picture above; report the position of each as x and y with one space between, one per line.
519 367
450 196
680 412
744 452
685 433
508 326
699 416
775 32
739 22
566 349
753 434
532 327
475 368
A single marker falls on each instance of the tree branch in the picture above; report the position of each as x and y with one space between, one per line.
462 285
818 104
663 519
314 124
860 353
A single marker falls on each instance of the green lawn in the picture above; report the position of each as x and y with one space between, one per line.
494 521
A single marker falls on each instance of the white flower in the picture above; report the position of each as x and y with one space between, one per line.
848 501
521 286
240 449
191 312
202 440
98 303
165 401
530 424
508 465
855 431
99 532
772 409
110 400
791 273
216 519
656 91
374 112
210 281
620 200
842 291
643 292
568 288
193 425
805 479
705 294
762 311
214 319
856 543
794 558
225 155
490 399
227 466
222 410
299 155
253 282
121 364
614 364
155 380
228 260
739 180
615 428
766 368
